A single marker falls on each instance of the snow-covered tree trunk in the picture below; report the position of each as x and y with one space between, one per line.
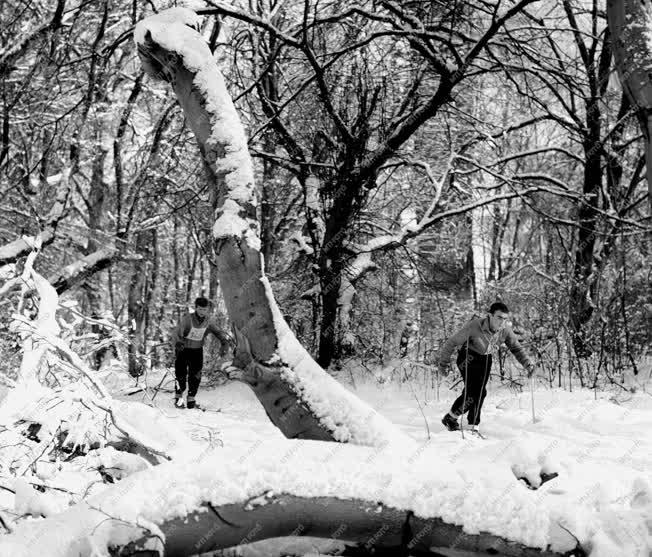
299 397
630 23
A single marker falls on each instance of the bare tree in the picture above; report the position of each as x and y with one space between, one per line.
364 118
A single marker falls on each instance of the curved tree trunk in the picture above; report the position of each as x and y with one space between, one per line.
299 397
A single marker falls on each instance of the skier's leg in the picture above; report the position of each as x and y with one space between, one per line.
483 372
196 363
475 387
462 402
180 372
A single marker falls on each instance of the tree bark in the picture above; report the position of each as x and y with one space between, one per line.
584 288
629 24
137 307
365 523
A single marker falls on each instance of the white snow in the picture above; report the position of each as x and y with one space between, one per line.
601 450
30 501
230 223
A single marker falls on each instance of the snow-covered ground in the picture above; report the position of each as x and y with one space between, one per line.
599 444
600 447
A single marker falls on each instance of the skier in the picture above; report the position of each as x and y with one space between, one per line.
478 339
188 340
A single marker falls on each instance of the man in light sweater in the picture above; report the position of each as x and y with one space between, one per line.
188 340
478 340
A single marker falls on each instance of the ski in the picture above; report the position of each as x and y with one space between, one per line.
204 409
475 433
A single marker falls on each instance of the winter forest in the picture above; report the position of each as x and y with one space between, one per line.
264 262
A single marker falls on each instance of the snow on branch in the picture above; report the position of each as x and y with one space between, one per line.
78 271
412 229
12 251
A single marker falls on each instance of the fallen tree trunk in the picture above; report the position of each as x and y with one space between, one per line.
363 523
300 398
302 488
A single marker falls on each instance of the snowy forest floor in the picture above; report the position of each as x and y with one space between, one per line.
598 442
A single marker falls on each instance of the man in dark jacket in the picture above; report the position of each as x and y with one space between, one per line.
188 340
477 340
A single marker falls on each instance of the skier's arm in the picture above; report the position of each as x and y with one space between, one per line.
219 334
515 348
179 332
458 339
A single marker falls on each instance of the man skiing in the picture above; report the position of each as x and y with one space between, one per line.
188 340
478 339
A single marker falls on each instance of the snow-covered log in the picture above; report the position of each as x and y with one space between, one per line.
374 497
363 523
298 395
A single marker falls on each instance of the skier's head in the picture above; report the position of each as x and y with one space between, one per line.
498 316
202 306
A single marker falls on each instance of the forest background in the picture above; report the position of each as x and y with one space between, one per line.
400 191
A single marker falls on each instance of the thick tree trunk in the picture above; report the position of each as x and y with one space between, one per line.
137 307
629 24
356 268
240 495
584 277
332 264
584 289
377 528
99 188
299 397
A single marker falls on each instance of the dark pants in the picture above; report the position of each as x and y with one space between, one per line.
188 363
475 369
